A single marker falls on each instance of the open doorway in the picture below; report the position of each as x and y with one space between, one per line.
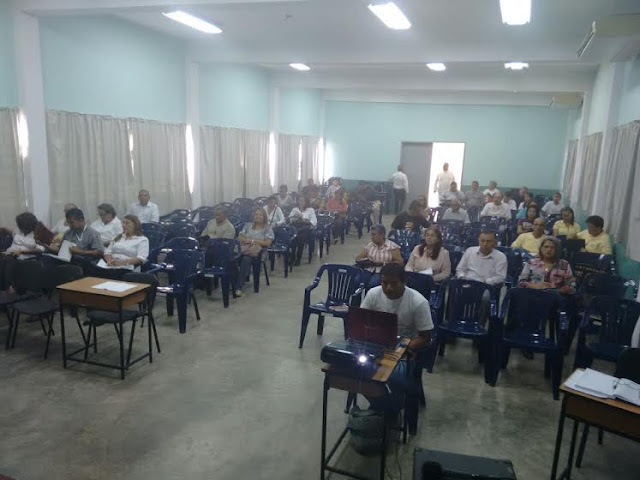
441 153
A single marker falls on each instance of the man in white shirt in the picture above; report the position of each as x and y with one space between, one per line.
492 190
474 197
443 181
400 189
456 213
453 193
109 225
483 263
144 209
553 207
414 322
496 208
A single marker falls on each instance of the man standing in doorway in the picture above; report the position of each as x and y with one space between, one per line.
400 188
443 181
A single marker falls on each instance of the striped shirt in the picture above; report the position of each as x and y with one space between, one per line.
380 253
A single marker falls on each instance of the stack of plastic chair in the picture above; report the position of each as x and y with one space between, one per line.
455 255
474 213
532 320
179 228
179 214
345 289
406 240
358 214
323 232
157 255
283 244
222 256
516 258
260 201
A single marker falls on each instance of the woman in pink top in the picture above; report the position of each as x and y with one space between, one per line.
431 255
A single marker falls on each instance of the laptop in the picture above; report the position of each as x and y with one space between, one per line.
372 326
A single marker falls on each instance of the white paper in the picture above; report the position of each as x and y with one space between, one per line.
597 384
114 286
64 253
426 271
103 264
628 391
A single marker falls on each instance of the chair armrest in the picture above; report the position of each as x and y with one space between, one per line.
154 268
313 285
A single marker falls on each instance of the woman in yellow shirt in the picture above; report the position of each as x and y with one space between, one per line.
567 226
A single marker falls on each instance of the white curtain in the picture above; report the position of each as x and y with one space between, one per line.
221 164
288 161
310 166
159 157
89 162
12 192
572 151
257 163
589 161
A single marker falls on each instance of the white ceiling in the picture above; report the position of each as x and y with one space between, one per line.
349 49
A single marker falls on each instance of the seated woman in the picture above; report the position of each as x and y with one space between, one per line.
549 270
567 226
375 254
253 238
275 217
430 255
128 251
596 239
24 244
338 208
525 225
304 219
524 205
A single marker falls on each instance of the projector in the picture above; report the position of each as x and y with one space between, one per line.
351 354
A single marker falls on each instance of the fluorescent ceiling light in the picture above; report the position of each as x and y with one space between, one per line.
193 22
515 12
516 65
390 15
300 66
437 67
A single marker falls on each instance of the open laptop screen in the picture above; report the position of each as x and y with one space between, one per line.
372 326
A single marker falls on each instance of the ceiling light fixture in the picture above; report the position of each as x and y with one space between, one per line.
516 65
191 21
515 12
300 66
437 67
390 15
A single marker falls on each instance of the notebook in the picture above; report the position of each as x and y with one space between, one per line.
601 385
42 234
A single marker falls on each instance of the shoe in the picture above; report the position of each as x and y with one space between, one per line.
238 293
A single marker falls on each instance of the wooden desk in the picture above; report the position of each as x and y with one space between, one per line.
352 381
615 416
81 293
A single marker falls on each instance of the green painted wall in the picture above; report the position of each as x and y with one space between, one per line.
8 81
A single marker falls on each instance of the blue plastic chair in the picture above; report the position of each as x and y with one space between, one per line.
6 240
516 258
345 289
474 212
260 201
533 320
406 240
357 214
153 227
181 228
177 243
156 239
455 255
612 320
323 232
222 256
258 263
283 244
463 318
183 267
177 214
451 226
586 262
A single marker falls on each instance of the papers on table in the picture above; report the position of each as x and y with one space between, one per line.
64 253
114 286
601 385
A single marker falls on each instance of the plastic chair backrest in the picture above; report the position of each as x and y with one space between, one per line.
153 227
260 201
604 284
618 318
516 258
222 251
28 276
451 226
146 278
202 214
474 212
5 241
283 235
344 280
156 239
455 255
628 364
181 243
422 283
586 262
465 301
528 312
182 229
176 214
324 220
185 264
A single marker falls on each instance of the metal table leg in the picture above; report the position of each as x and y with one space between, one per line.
556 453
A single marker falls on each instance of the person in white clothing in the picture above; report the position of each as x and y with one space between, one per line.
61 227
492 190
275 217
130 249
109 226
144 208
24 244
553 207
456 213
453 193
443 182
304 219
483 263
400 189
496 208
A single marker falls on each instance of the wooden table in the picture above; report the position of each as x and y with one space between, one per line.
81 293
614 416
374 385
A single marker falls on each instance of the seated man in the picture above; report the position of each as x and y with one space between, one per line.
309 187
493 188
452 194
109 226
553 207
414 322
411 220
474 197
144 208
86 246
483 263
496 208
219 226
531 241
456 213
595 238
